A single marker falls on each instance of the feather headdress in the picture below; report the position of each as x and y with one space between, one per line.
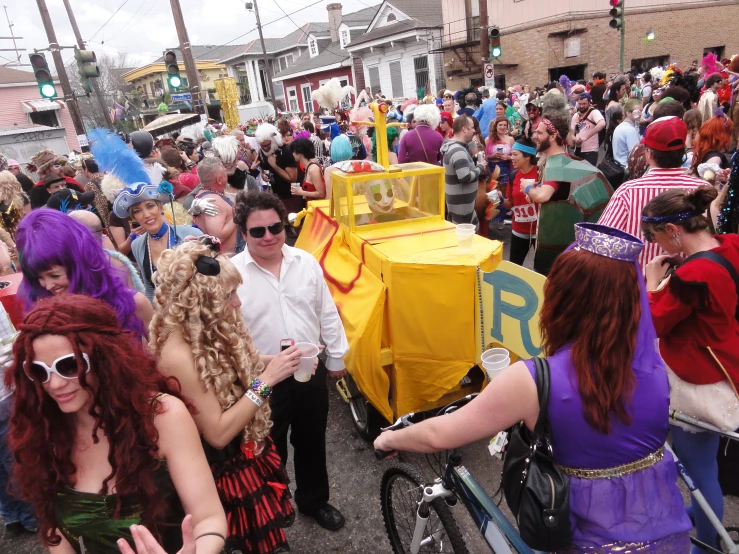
330 94
113 156
711 64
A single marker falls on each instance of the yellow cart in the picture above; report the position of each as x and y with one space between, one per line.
409 298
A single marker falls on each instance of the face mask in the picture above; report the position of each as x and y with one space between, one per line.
636 114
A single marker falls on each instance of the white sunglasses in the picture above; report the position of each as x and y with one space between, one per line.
65 367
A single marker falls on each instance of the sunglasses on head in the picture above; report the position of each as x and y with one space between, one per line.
259 232
65 367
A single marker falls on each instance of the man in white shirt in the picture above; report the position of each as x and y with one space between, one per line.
625 136
284 296
586 124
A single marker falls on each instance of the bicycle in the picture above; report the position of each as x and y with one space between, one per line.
420 532
412 529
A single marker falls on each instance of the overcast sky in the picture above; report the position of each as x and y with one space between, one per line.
144 28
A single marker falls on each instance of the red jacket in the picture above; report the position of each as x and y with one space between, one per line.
686 330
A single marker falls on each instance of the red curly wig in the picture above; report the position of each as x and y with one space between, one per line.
42 437
714 136
592 303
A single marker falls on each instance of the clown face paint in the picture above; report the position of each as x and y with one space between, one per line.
380 197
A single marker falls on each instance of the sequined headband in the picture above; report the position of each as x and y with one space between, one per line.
607 241
671 217
550 127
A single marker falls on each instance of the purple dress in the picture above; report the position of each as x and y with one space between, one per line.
644 507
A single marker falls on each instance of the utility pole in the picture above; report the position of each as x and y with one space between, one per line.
267 71
71 101
190 67
94 81
13 37
623 33
484 36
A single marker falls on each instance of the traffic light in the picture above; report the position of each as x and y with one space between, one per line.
617 14
173 70
87 67
43 75
495 49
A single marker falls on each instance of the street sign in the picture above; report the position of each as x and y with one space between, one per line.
185 96
489 75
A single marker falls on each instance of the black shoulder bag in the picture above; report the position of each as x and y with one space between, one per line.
536 490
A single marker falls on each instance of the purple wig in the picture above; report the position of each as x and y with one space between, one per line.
46 238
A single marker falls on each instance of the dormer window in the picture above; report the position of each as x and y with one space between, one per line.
313 47
345 38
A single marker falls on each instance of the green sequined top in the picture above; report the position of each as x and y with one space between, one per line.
86 519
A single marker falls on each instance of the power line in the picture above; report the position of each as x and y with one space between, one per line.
108 21
131 19
263 26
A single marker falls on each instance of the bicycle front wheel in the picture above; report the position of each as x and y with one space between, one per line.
400 492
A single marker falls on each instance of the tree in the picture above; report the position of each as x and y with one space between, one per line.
111 83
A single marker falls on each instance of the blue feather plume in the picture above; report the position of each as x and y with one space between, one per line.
112 155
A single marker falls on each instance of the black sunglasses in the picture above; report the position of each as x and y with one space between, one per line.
274 229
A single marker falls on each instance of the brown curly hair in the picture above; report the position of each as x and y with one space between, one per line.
199 307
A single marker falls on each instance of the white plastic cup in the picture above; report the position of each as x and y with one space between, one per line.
465 236
308 353
494 368
494 352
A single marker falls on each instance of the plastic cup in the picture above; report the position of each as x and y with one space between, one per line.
494 352
493 369
308 353
465 236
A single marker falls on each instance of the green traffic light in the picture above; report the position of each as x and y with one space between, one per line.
497 52
175 81
48 90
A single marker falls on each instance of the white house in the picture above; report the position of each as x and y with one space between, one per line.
399 49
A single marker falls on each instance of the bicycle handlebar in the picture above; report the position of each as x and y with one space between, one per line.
407 420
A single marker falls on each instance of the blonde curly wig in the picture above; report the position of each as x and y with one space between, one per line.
10 190
199 306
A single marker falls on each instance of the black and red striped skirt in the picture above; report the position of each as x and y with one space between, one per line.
256 498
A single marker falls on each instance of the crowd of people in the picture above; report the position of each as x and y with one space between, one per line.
152 374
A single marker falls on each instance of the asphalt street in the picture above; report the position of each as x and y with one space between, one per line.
355 477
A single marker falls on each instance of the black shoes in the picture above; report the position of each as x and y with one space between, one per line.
16 530
328 517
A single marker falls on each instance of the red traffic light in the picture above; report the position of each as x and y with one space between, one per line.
615 3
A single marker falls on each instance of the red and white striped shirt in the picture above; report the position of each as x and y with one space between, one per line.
625 206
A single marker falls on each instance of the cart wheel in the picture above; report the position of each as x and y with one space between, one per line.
366 419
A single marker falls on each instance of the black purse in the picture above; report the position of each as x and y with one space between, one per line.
536 490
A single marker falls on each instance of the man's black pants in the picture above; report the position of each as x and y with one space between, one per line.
302 409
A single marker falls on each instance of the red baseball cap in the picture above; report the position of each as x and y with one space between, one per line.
666 134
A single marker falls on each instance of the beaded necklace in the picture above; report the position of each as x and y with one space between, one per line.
159 235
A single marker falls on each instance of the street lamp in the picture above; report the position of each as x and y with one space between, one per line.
650 34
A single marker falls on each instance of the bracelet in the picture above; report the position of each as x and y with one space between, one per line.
254 398
213 533
527 189
262 389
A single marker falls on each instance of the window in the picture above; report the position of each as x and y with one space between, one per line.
292 100
47 118
344 37
421 66
307 101
374 79
396 79
263 77
391 17
718 50
313 47
641 65
279 90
